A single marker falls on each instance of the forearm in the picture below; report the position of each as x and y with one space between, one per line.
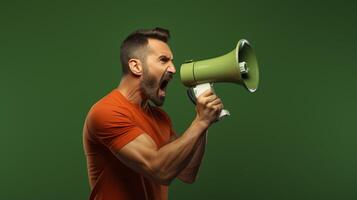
172 158
189 173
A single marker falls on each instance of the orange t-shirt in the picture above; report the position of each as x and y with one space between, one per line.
112 123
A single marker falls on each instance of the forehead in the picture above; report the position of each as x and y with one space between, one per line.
159 48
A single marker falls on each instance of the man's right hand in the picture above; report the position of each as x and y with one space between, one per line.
208 107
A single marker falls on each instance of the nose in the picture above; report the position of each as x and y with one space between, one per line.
171 68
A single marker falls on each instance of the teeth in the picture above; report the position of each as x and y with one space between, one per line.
162 92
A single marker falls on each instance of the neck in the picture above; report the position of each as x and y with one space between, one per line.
129 87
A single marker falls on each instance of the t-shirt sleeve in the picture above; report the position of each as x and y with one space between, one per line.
113 128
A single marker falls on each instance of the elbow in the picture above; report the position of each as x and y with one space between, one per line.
188 180
165 182
163 178
156 172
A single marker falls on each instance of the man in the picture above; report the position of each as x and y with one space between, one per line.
132 151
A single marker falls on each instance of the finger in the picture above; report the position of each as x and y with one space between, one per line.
215 102
217 109
211 98
207 93
208 99
221 107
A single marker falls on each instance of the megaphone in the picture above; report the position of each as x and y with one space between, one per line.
239 66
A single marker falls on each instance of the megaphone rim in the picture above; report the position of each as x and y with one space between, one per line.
240 44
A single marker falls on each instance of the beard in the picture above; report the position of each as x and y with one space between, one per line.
150 86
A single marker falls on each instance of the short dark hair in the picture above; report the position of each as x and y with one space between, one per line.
136 41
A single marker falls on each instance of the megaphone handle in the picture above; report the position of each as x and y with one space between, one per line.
191 95
198 90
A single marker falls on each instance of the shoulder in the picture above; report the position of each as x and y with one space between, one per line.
106 113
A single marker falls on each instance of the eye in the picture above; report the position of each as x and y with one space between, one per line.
164 59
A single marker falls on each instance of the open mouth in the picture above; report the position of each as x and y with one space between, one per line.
162 88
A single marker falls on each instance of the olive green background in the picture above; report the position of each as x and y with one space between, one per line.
295 138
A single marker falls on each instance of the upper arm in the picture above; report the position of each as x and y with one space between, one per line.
139 155
128 142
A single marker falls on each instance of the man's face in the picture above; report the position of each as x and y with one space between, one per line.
158 69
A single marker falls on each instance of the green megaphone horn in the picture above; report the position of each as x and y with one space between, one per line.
239 66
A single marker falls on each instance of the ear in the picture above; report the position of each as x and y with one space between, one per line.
135 67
